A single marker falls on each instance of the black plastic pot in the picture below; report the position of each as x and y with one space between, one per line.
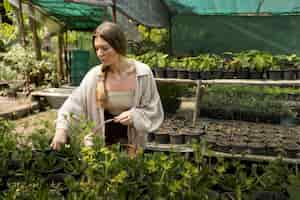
194 75
211 141
256 148
56 178
216 74
160 72
288 74
272 149
239 147
269 195
182 74
205 75
223 146
162 138
3 183
243 74
171 105
297 72
229 74
292 149
176 138
274 74
150 137
255 75
192 134
190 138
171 73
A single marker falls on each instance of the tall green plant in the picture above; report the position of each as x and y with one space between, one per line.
23 61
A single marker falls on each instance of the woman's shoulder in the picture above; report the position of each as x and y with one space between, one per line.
94 71
92 74
141 68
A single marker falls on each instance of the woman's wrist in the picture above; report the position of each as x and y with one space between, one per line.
61 136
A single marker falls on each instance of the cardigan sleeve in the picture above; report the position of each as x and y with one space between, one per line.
75 105
148 115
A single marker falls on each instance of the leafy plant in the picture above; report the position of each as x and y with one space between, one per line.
23 61
192 64
237 61
7 73
209 62
293 187
8 33
162 60
287 61
152 39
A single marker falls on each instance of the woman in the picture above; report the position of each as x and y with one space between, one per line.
120 89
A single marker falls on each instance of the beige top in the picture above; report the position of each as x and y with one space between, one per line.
146 112
119 101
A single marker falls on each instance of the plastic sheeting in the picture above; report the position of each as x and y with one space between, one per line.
218 34
74 16
151 13
87 14
230 7
155 13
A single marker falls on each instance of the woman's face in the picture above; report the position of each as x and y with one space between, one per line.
107 54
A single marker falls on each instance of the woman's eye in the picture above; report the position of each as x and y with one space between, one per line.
102 48
105 49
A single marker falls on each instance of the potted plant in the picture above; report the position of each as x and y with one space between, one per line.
233 63
287 64
209 67
193 67
274 72
162 136
297 67
161 61
176 137
260 63
216 65
171 70
182 65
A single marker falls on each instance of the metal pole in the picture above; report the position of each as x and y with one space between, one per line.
33 27
21 24
114 11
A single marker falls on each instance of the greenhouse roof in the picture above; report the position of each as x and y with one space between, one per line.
231 7
75 16
71 16
156 12
87 14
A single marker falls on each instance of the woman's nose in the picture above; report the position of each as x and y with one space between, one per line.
99 52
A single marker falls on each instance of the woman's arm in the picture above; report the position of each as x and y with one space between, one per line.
75 105
148 115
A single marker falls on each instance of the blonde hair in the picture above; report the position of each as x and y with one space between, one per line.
101 93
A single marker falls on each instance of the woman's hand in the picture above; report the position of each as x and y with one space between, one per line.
59 139
124 118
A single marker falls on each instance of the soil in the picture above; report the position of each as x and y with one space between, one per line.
8 104
28 124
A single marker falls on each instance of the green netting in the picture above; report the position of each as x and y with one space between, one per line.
197 25
74 16
79 65
153 13
217 34
87 14
228 7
